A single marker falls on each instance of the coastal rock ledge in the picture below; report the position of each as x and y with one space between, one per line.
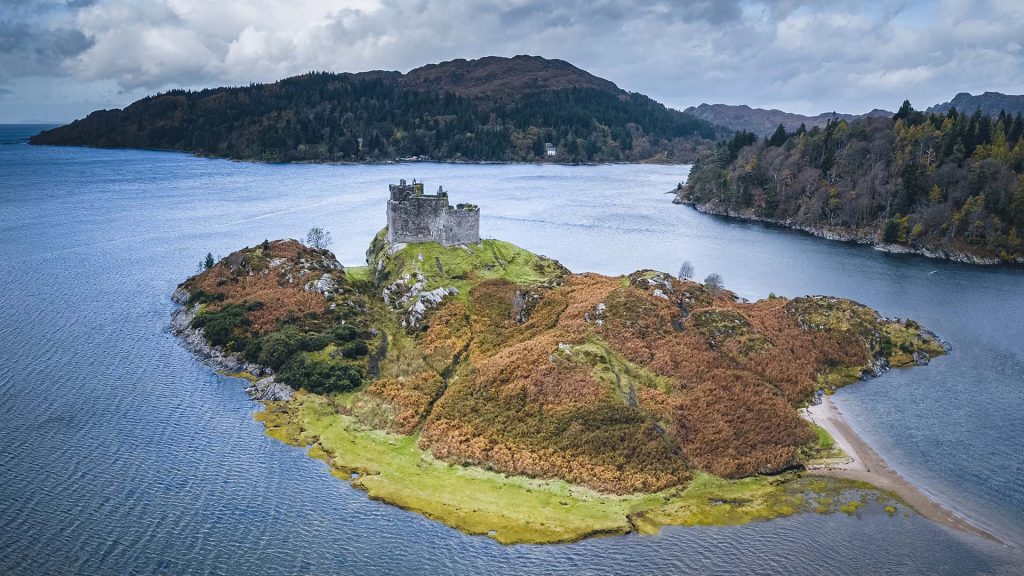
216 357
867 237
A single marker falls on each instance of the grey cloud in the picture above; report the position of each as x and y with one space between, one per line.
29 50
806 55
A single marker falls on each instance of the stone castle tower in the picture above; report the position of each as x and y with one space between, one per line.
417 217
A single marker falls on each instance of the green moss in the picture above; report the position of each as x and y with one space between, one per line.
839 376
851 507
719 324
464 266
905 339
357 273
612 368
836 315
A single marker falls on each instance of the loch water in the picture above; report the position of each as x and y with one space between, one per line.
120 453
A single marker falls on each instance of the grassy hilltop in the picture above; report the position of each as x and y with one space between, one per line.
491 389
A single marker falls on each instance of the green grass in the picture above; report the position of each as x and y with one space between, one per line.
822 450
824 439
465 266
613 369
357 273
839 376
906 338
517 509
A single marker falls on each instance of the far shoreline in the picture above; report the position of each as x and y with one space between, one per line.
384 162
864 464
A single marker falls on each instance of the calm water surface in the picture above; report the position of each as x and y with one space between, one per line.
121 454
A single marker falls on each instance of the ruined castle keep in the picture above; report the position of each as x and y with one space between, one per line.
417 217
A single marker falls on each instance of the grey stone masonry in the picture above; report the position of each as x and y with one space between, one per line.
417 217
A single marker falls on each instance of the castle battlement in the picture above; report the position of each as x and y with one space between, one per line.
417 217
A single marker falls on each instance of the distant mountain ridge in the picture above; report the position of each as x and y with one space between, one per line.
763 122
497 76
490 109
990 104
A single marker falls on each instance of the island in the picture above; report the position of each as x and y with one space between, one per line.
491 389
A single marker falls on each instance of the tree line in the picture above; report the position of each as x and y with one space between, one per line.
344 117
952 181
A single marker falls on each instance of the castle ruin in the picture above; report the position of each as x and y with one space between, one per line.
417 217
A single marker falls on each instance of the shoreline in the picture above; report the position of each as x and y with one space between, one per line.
864 464
384 162
862 237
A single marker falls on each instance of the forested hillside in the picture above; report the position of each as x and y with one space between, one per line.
946 184
492 109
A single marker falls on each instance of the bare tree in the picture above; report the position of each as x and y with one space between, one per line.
714 284
318 238
685 271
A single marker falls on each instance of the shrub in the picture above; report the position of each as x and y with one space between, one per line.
219 326
714 284
344 333
277 347
319 376
355 348
312 341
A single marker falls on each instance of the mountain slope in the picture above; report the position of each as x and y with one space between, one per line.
990 104
491 109
763 122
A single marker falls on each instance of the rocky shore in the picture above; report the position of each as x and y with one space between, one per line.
264 387
867 237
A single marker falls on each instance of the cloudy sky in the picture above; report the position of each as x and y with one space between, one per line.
60 59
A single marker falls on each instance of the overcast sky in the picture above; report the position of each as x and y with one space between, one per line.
60 59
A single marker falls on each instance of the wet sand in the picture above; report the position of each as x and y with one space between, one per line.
864 464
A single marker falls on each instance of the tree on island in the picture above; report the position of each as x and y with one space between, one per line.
714 284
208 262
318 238
685 271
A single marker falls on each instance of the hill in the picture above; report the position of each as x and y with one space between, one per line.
493 76
492 389
989 103
947 185
763 122
491 109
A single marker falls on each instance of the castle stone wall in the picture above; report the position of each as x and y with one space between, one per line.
415 217
461 227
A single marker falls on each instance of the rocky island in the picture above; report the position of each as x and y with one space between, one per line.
493 390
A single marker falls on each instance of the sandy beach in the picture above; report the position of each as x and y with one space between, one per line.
864 464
